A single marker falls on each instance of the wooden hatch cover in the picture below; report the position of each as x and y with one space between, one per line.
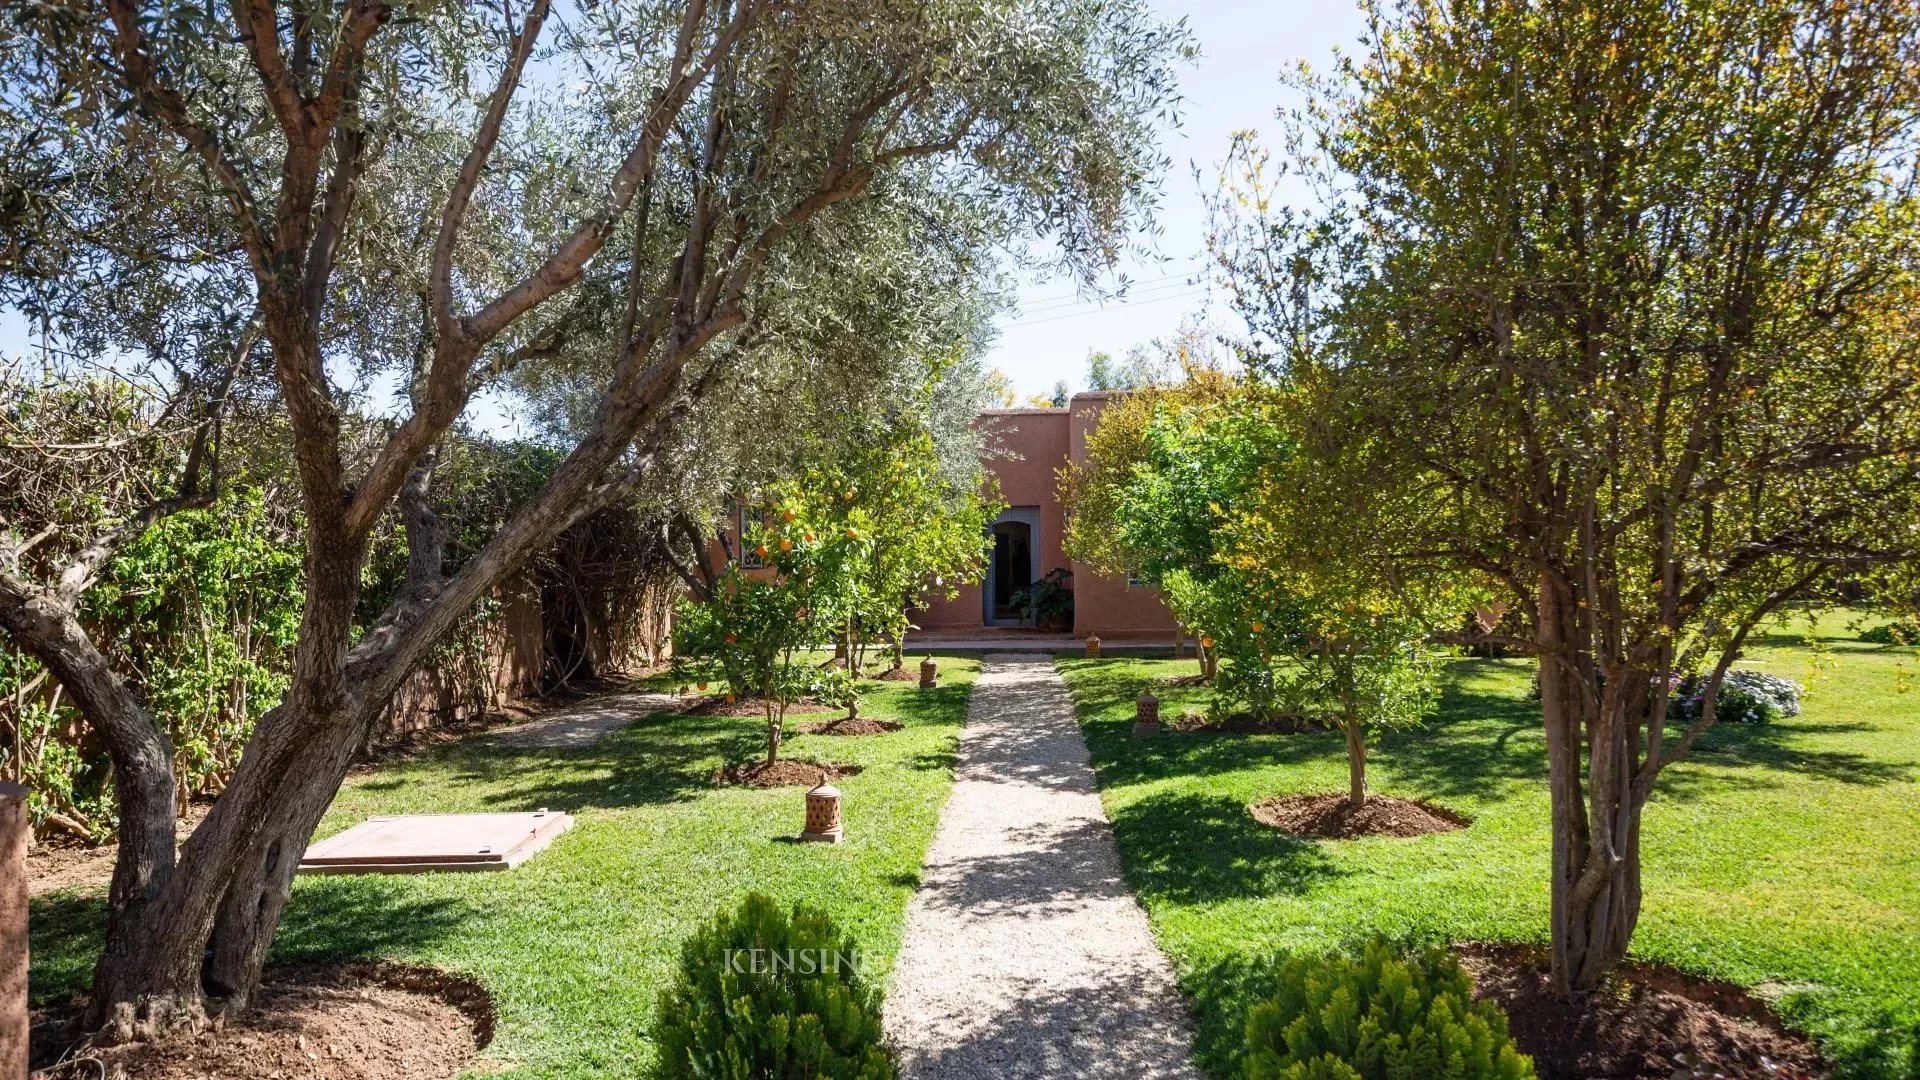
436 843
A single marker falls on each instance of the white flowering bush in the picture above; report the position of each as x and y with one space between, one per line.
1746 697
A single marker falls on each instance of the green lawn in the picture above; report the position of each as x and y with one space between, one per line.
1784 858
576 943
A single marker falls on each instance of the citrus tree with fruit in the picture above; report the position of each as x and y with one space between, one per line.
899 529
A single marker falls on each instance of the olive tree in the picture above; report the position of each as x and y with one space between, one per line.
712 148
1614 299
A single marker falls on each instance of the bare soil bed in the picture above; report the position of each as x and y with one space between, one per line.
63 862
718 705
1198 723
858 726
1638 1027
782 773
350 1022
1333 817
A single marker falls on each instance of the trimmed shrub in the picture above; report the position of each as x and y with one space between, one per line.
1746 697
1379 1017
1897 632
767 994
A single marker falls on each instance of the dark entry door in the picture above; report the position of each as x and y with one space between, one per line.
1012 562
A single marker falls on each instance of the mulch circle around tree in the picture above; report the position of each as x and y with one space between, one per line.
717 705
903 673
1640 1026
1181 680
315 1022
858 726
1333 817
783 773
1197 723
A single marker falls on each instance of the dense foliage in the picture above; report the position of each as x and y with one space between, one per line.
762 993
755 632
1893 632
1199 487
1613 301
1379 1017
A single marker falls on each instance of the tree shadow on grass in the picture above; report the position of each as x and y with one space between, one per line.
1476 744
365 917
1222 994
1199 849
63 939
943 704
1120 758
665 758
1481 740
339 918
1779 747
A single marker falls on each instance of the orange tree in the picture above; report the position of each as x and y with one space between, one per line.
1615 298
1201 489
755 633
907 531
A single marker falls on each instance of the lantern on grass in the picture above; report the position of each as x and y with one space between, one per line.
1146 714
1093 647
928 670
823 815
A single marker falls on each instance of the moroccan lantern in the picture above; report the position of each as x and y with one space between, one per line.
823 815
1146 714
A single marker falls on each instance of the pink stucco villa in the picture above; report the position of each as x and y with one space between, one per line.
1030 446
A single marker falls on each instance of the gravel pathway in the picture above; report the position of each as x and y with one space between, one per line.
1025 955
584 723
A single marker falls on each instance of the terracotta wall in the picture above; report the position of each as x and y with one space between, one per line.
453 691
1026 448
1103 605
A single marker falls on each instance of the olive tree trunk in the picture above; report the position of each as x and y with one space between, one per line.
49 629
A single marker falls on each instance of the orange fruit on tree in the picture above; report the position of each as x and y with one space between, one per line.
786 544
852 535
731 638
761 551
809 538
787 516
1258 626
703 688
1206 641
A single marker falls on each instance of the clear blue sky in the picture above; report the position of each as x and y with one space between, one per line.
1235 84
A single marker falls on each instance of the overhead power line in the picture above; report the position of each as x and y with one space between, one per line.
1108 308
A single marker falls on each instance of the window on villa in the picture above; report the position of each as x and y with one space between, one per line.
747 518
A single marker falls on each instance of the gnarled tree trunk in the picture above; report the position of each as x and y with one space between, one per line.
1596 824
142 756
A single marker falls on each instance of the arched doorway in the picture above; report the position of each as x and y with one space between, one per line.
1012 565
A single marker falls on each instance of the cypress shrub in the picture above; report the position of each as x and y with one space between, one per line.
767 994
1379 1017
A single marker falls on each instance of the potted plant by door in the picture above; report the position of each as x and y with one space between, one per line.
1047 604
